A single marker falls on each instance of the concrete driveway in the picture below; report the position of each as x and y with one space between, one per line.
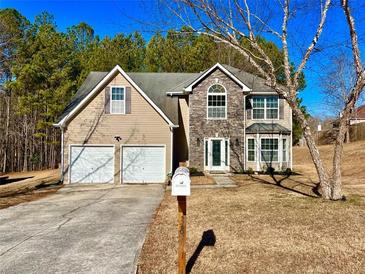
80 229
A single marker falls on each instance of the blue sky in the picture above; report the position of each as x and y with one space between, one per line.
111 17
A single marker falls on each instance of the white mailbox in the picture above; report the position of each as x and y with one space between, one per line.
181 182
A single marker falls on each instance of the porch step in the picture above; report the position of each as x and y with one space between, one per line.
218 173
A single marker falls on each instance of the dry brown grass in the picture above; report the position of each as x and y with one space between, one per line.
29 186
262 227
202 180
353 166
27 197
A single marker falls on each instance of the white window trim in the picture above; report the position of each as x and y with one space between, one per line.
226 100
260 151
255 149
111 99
265 108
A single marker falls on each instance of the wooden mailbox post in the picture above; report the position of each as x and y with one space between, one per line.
181 189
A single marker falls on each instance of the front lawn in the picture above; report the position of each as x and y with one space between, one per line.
261 227
20 187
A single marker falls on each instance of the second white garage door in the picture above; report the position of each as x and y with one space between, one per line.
143 164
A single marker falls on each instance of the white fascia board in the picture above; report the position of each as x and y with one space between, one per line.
172 93
264 93
106 79
238 81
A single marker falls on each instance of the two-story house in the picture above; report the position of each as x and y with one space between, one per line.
137 127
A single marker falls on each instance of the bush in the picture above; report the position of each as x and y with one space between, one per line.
270 170
288 171
193 170
250 171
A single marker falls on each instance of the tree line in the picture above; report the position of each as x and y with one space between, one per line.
42 67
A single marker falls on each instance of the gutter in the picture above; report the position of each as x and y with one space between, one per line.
244 132
62 156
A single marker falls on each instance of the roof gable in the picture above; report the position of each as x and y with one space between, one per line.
93 85
202 76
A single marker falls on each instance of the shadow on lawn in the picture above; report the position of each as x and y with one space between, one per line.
208 239
312 188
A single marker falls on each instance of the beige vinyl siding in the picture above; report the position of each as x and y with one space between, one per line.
143 126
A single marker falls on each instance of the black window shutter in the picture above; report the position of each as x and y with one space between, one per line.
128 104
281 108
107 101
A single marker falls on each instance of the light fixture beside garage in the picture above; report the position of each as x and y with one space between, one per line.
198 142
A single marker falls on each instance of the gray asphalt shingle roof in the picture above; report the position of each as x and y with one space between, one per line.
156 85
267 128
87 86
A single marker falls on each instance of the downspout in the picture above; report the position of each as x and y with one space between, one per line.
171 149
62 153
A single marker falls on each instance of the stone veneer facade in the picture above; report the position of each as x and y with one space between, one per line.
201 127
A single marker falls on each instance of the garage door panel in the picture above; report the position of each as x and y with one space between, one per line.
143 164
92 164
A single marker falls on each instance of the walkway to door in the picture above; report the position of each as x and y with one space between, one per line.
224 181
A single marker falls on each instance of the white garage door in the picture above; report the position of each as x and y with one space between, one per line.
90 164
143 164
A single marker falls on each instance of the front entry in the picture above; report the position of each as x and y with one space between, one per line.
216 154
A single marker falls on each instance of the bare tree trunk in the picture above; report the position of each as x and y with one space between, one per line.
347 138
336 193
324 181
25 160
7 123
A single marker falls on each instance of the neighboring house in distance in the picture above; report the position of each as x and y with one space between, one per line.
137 127
358 115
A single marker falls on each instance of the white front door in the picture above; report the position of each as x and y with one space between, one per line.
217 154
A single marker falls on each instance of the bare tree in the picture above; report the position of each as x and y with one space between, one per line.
232 22
352 98
336 84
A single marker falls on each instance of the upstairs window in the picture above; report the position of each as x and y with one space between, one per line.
217 102
117 100
265 107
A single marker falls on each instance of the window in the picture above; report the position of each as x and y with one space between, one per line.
226 152
284 151
272 107
269 150
206 152
251 151
258 108
265 107
117 102
217 102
